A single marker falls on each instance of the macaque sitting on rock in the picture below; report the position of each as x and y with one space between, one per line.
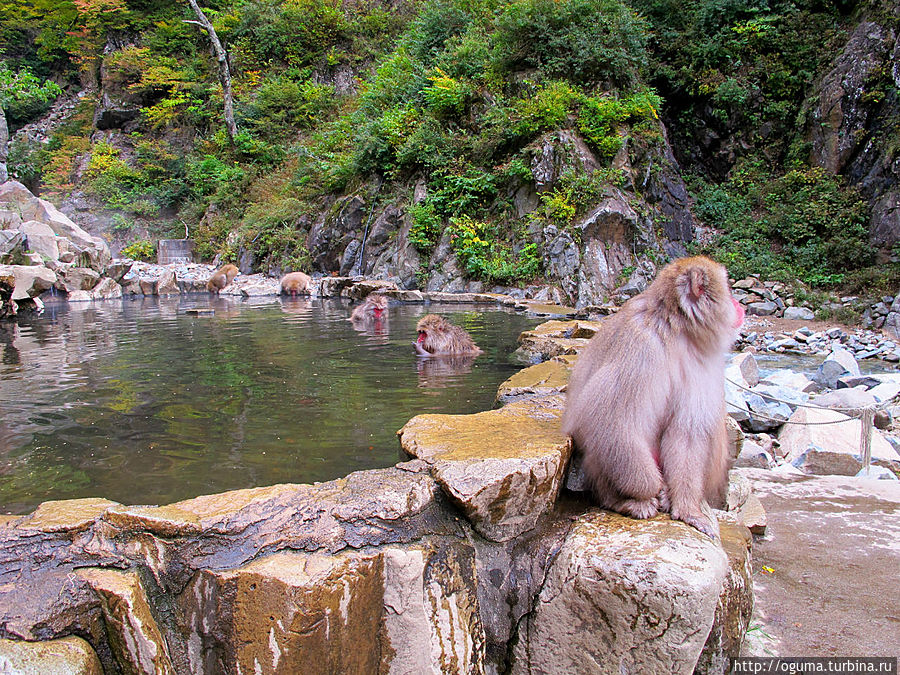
437 336
645 403
372 309
221 278
295 283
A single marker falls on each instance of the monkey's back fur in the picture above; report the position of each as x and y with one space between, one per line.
221 278
645 401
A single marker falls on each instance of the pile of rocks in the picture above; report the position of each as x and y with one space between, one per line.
41 249
815 417
863 344
772 298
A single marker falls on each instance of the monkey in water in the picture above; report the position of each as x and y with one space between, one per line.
221 278
437 336
372 309
295 283
645 404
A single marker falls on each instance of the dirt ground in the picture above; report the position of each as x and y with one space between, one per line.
826 573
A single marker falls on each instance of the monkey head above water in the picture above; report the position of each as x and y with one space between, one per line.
221 278
295 283
371 309
645 404
437 336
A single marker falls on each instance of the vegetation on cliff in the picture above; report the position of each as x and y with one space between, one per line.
335 99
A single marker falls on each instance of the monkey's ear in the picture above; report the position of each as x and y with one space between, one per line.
698 283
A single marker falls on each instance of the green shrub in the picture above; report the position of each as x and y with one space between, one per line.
284 105
446 96
583 41
271 232
804 224
296 33
426 227
601 117
485 255
140 250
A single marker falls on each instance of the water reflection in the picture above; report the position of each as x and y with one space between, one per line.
141 401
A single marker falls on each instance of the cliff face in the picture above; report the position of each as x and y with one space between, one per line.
640 218
853 123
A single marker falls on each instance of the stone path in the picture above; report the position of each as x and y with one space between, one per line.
825 574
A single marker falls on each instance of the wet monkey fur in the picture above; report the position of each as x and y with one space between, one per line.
221 278
437 336
295 283
371 309
645 403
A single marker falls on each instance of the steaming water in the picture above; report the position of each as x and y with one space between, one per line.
141 402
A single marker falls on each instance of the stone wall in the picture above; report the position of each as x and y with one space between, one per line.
468 558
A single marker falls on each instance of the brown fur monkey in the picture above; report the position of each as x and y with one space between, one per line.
295 283
371 309
221 278
645 403
437 336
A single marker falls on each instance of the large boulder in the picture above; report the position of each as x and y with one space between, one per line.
624 596
822 442
30 280
64 656
93 250
839 363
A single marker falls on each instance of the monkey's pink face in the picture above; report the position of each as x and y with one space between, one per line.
422 336
738 313
377 311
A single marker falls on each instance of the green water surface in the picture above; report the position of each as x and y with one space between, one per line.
142 402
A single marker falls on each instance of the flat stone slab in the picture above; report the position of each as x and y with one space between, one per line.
503 468
825 574
542 379
556 338
546 309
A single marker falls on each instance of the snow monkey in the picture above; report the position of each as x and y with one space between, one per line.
372 309
221 278
438 336
645 403
295 283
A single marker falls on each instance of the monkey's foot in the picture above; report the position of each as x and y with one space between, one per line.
663 498
637 508
707 525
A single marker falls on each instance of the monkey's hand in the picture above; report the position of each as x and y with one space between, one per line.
420 350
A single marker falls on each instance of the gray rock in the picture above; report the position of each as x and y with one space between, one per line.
877 473
799 313
839 363
823 441
636 578
766 308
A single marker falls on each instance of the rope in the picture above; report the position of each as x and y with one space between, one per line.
866 415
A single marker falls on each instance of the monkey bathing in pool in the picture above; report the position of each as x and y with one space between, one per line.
435 336
645 403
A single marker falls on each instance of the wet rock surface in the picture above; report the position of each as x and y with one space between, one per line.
819 573
502 467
